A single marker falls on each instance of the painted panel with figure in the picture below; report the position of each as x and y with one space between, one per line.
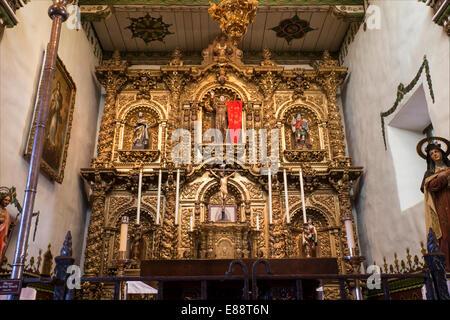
59 124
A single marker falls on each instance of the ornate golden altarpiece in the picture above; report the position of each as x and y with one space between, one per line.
172 97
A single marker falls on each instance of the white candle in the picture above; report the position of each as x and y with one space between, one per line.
270 196
286 198
177 196
257 222
138 214
349 232
158 200
123 234
303 196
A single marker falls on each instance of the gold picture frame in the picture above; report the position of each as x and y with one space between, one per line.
59 123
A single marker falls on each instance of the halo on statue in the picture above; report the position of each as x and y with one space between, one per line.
4 190
420 146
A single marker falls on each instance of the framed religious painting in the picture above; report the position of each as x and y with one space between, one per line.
217 215
59 123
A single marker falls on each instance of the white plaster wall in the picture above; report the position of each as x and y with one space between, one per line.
62 206
378 60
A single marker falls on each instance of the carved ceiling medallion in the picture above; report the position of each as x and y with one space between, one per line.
149 29
293 28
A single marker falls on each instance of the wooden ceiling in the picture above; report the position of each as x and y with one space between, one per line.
193 29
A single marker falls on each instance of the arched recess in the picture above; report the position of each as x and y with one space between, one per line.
321 220
314 118
146 223
231 91
152 113
209 194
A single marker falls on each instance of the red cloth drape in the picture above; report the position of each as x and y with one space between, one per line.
234 109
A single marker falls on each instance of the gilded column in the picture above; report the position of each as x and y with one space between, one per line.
329 77
279 225
112 75
169 231
93 254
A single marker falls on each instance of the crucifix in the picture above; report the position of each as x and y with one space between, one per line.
223 180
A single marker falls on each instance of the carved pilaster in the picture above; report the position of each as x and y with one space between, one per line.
94 250
112 75
169 230
279 225
329 76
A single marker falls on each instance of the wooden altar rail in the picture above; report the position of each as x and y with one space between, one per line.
432 290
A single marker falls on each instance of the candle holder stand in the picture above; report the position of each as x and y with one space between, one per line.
120 265
355 263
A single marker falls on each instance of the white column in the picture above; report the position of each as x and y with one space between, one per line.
138 214
192 222
257 222
286 198
158 200
177 200
303 196
270 195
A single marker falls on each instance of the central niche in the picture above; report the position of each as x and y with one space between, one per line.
215 113
213 199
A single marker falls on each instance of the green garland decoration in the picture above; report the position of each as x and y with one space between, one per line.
402 90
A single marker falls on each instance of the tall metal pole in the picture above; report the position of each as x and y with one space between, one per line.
58 14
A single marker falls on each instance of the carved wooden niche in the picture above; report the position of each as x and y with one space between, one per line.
319 221
140 114
312 141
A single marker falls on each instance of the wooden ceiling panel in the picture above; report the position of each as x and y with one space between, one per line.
322 33
204 23
269 37
115 33
338 38
103 35
193 30
317 21
123 21
328 35
196 31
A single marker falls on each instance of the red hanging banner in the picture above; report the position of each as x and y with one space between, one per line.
234 109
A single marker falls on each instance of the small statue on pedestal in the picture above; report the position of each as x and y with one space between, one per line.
310 240
137 244
300 132
140 135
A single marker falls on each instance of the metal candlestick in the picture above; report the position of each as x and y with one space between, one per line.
121 264
353 259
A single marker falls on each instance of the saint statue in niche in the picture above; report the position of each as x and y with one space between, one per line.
137 244
300 132
219 107
140 135
310 239
54 116
436 189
